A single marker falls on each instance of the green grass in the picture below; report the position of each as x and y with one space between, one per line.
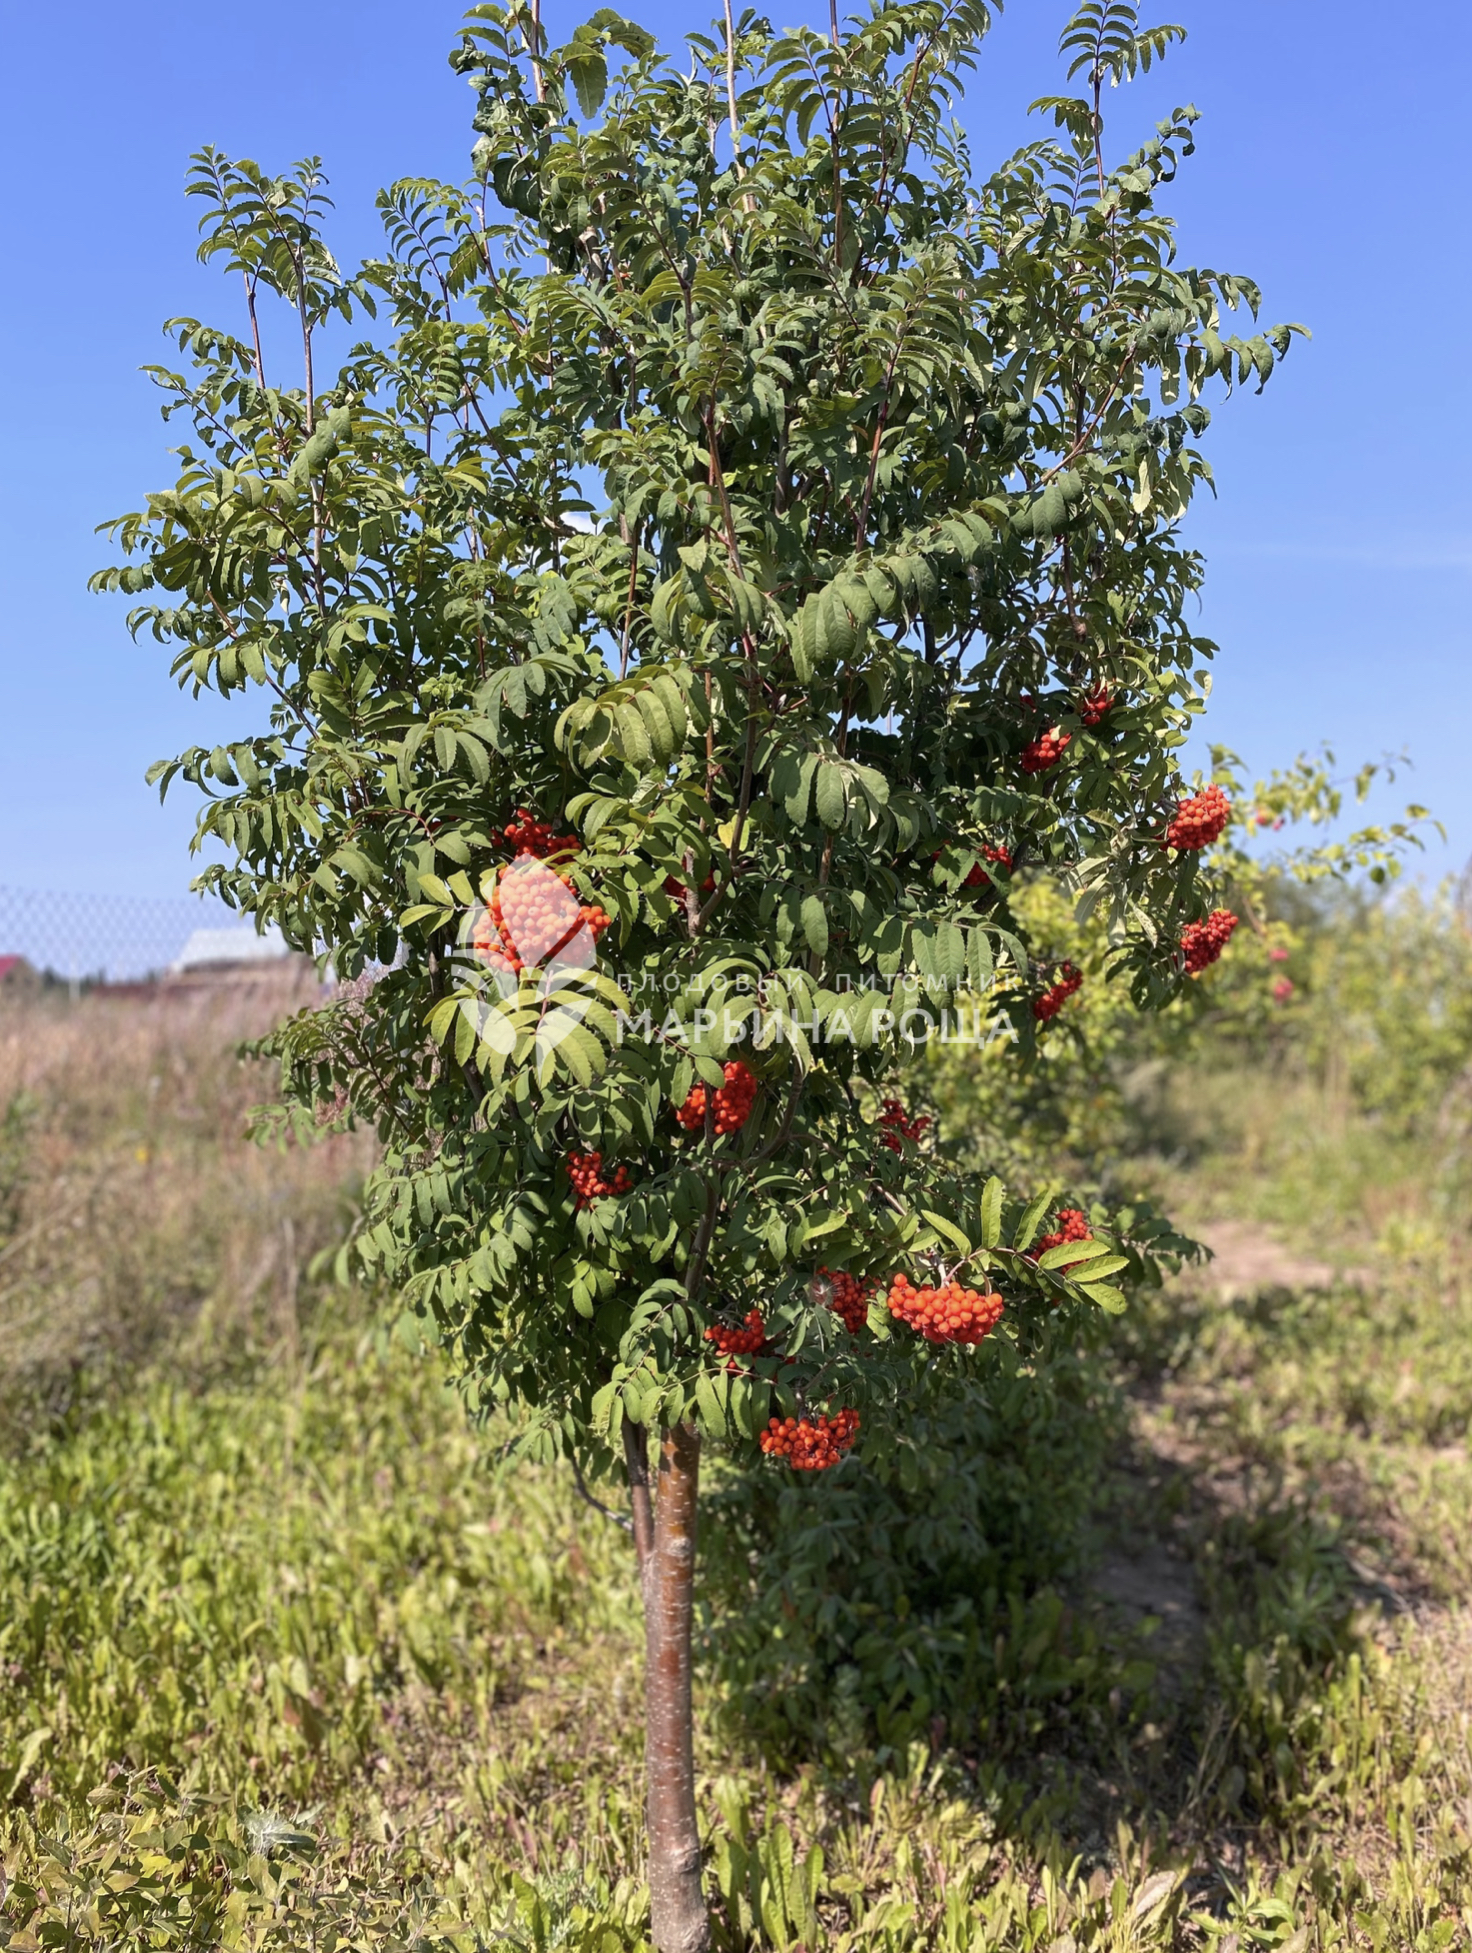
287 1661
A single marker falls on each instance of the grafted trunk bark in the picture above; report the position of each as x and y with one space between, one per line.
666 1549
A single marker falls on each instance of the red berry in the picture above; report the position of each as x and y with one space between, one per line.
897 1126
1096 705
1057 995
750 1340
948 1314
1072 1226
585 1170
1203 942
733 1102
1283 989
978 875
1199 820
810 1444
529 836
532 916
847 1297
1044 751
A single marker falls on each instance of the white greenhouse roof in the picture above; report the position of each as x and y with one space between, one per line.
215 946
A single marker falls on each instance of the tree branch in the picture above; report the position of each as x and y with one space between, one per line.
618 1518
731 90
636 1464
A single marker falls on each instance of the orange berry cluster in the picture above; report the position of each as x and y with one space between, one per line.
1071 1227
1203 942
849 1298
1096 705
810 1444
1199 820
897 1125
748 1341
1044 751
948 1314
1058 993
675 888
733 1102
528 835
585 1170
1000 855
530 917
492 944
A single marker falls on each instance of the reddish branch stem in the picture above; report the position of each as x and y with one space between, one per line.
678 1917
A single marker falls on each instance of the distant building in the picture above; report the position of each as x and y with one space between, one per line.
216 951
227 959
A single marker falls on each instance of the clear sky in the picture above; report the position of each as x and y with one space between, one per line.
1330 167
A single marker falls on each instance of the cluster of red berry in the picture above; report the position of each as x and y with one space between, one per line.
1071 1227
750 1340
1044 751
528 835
585 1170
810 1444
733 1102
1203 942
492 945
1096 705
1283 990
1199 820
675 889
848 1298
1000 855
897 1125
1057 994
948 1314
532 915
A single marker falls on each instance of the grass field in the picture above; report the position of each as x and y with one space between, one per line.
287 1660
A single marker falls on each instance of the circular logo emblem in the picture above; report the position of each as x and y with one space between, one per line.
524 956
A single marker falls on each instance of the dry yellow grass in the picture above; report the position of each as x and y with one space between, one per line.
133 1207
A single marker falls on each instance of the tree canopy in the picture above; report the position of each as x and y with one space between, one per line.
747 547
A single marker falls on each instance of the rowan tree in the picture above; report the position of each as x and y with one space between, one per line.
744 546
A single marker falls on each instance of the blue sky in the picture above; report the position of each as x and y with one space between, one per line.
1329 167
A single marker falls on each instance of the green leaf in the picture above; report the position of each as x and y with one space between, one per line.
950 952
1071 1251
589 74
831 797
798 799
991 1212
441 1018
1104 1265
947 1230
633 738
1027 1227
815 924
1110 1299
708 1399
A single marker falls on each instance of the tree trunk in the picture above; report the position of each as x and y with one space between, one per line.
666 1551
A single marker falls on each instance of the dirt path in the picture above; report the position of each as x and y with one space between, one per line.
1247 1259
1151 1573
